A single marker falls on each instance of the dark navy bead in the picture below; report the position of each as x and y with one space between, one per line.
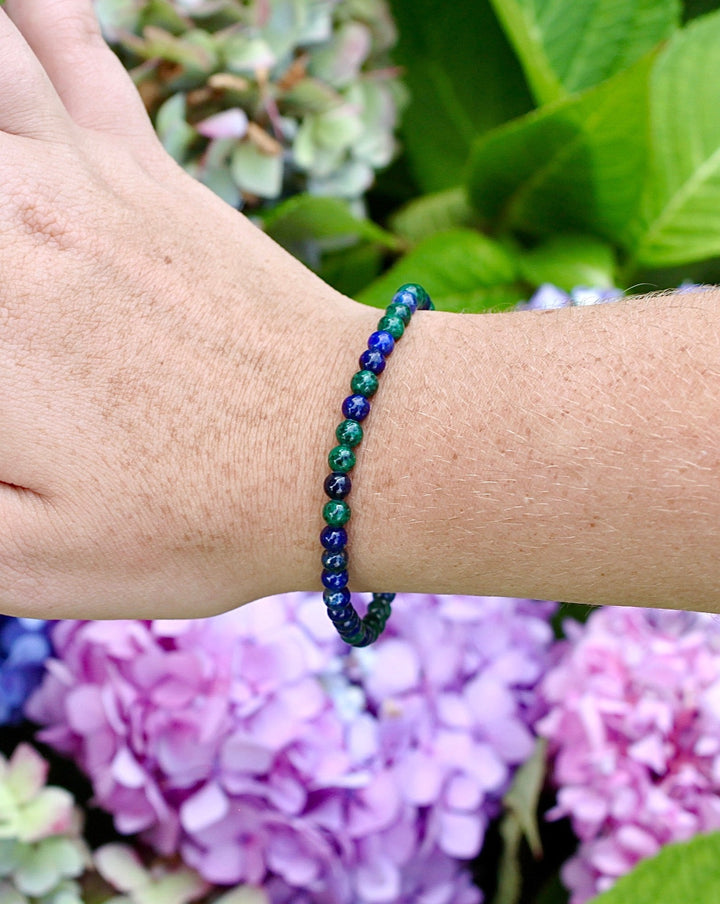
335 561
333 537
381 341
337 599
356 407
384 597
334 580
350 624
340 613
372 360
337 485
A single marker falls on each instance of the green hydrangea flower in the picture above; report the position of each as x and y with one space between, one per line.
41 849
161 883
265 98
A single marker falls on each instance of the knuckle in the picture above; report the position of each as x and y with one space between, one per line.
76 22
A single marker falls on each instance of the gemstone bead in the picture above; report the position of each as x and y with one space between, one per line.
356 407
365 383
333 560
336 512
333 537
336 599
393 325
381 341
350 625
349 433
341 458
334 580
372 360
414 291
363 638
398 309
337 485
405 295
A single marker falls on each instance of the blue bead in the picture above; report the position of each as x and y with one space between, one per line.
356 407
406 296
334 580
337 485
335 561
381 341
372 360
333 537
337 599
348 625
341 615
384 597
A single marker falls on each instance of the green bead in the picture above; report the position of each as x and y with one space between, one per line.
398 309
392 324
336 512
349 433
365 383
341 458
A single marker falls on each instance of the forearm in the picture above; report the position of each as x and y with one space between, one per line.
571 455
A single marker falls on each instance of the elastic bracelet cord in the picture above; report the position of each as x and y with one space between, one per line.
356 631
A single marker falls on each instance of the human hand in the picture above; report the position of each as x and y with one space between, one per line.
164 366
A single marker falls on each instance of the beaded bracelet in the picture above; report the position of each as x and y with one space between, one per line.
356 631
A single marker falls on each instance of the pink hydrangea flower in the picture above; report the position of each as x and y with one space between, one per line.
634 727
265 751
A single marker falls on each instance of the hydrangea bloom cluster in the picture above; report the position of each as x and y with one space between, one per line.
266 97
634 727
41 851
548 297
24 647
260 749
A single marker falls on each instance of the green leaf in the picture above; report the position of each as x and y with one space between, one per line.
306 217
463 79
687 871
433 213
576 165
680 217
461 269
350 270
566 46
568 261
520 821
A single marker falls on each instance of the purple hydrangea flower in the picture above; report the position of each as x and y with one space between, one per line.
24 647
548 297
265 751
634 727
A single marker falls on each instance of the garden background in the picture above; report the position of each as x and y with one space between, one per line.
505 154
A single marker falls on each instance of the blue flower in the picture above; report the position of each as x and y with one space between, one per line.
24 647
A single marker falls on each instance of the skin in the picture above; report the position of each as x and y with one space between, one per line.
172 380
